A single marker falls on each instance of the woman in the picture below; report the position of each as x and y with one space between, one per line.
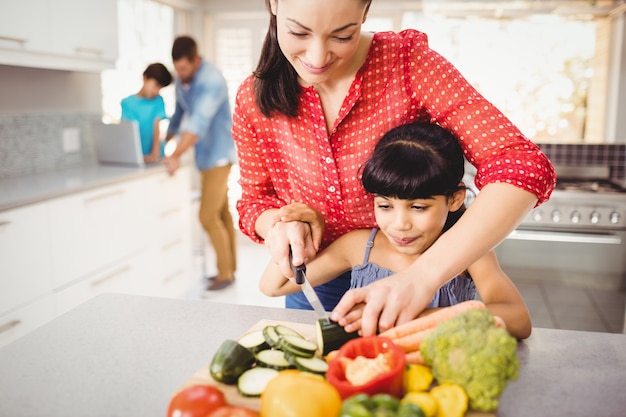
323 94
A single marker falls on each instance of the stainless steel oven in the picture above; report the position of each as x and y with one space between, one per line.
577 237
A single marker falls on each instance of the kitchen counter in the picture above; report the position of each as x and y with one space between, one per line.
122 355
28 189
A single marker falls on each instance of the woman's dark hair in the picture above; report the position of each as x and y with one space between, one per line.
158 72
184 47
276 81
416 160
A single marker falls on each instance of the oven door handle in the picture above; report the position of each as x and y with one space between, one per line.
568 237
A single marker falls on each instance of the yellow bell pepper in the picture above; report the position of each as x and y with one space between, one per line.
299 394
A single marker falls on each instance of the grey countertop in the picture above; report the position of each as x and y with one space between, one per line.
29 189
122 355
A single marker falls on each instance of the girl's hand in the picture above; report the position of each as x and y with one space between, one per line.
296 235
388 302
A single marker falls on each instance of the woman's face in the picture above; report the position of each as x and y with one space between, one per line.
319 37
412 226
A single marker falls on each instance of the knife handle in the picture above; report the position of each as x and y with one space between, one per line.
298 271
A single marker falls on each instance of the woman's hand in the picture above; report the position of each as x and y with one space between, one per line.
387 303
296 226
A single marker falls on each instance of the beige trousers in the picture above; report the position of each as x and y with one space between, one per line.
216 219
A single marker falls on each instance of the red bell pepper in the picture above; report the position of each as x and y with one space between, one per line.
389 382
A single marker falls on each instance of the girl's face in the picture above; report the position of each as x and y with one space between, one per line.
412 226
319 37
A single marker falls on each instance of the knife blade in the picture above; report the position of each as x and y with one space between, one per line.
310 294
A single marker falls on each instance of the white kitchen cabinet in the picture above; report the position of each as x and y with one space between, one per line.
70 35
17 323
93 229
24 256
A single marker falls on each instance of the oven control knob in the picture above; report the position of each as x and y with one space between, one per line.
594 217
614 217
575 217
556 216
537 215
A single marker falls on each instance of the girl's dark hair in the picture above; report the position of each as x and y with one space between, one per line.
416 160
276 82
158 72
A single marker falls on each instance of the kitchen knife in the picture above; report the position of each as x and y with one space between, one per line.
310 294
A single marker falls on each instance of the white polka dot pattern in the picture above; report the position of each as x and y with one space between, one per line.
286 160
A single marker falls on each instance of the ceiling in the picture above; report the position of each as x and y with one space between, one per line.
509 9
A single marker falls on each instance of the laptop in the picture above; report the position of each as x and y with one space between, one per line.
119 144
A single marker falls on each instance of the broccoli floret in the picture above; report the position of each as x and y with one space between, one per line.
471 351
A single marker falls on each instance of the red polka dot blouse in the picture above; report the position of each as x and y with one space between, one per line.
285 160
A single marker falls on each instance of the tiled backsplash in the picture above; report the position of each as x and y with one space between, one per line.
32 143
612 155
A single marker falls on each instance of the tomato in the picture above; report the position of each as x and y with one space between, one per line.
196 401
233 411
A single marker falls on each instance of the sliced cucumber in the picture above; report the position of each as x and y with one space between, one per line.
272 358
314 365
253 382
254 341
271 336
297 346
286 331
331 336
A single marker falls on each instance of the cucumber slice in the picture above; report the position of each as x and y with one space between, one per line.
252 383
298 346
314 365
286 331
254 341
272 358
331 336
271 336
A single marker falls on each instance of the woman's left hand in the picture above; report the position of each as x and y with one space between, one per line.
388 302
306 214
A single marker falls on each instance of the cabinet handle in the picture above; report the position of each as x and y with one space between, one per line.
171 244
104 196
170 212
173 275
83 50
21 41
8 326
110 276
4 223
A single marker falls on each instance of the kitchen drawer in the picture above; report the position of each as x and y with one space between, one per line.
123 277
170 191
27 318
24 256
94 229
172 268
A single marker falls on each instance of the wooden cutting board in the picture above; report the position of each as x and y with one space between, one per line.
203 376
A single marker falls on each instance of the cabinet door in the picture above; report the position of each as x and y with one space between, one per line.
93 229
85 29
25 25
24 255
19 322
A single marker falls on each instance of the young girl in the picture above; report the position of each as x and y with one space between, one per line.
415 175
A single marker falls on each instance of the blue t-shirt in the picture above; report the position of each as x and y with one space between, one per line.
145 111
206 110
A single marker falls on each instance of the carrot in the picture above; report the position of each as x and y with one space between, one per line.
414 357
431 320
412 341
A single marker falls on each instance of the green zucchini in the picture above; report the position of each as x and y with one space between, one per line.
252 383
314 365
254 341
286 331
331 336
297 346
272 358
271 336
230 361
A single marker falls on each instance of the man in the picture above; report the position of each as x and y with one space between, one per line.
202 96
